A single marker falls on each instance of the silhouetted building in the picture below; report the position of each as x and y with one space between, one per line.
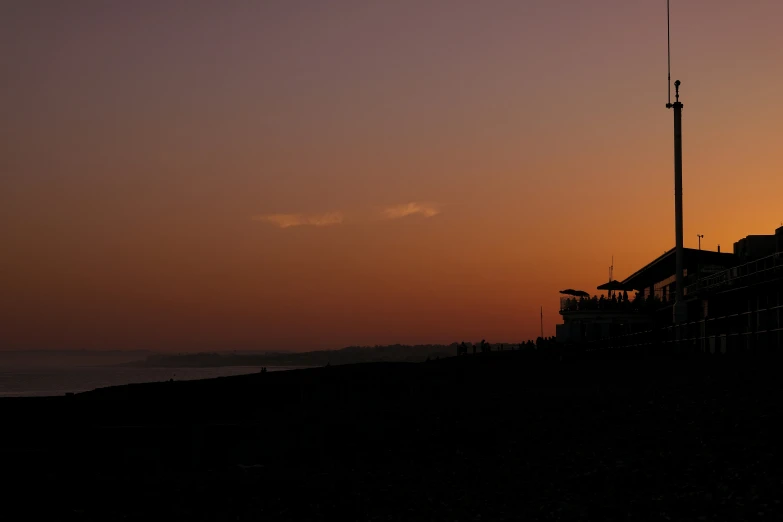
734 301
754 247
657 279
591 318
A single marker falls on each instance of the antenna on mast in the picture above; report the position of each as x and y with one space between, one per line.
611 274
611 270
669 52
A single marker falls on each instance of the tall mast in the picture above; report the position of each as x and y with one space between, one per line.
680 312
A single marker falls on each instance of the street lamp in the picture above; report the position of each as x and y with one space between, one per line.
700 236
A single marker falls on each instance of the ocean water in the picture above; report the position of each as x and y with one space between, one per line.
48 380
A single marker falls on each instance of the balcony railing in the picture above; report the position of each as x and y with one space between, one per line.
761 270
640 304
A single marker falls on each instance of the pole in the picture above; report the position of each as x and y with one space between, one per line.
680 312
542 323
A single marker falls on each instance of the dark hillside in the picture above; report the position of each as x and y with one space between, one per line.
490 437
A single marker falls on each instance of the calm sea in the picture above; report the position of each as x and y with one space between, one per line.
47 376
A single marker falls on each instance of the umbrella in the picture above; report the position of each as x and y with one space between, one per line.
576 293
614 285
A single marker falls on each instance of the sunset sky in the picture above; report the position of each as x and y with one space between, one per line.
200 175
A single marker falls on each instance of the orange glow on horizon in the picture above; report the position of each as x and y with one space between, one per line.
281 177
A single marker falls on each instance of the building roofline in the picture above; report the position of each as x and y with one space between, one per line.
710 255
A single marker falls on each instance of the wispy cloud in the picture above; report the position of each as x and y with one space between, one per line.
297 220
427 210
410 209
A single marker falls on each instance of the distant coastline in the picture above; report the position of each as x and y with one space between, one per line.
349 355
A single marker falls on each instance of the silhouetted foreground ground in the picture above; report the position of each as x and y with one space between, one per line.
493 437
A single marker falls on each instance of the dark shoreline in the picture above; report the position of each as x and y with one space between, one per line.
348 355
504 435
53 381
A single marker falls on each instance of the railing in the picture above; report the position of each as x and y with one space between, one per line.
572 304
758 271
